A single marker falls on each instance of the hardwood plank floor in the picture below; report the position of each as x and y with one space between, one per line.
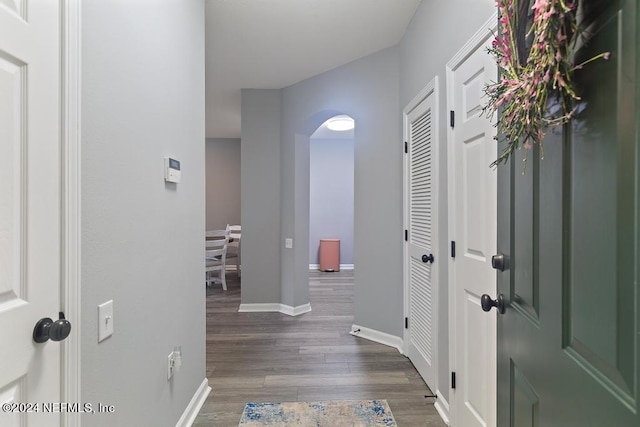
272 357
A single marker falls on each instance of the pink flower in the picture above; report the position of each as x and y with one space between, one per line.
540 5
606 55
548 14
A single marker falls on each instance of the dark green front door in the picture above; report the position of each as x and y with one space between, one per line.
568 342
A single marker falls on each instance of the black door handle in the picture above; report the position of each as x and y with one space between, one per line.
46 329
428 258
487 303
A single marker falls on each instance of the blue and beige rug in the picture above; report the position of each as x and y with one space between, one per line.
361 413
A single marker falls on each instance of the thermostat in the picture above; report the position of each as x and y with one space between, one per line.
171 170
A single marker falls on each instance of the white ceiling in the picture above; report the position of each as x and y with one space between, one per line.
271 44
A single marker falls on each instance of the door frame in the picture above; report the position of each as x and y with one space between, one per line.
431 89
487 30
70 299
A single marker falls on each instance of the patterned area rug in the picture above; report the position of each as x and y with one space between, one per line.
359 413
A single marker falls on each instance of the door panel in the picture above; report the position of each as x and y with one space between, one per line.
472 204
524 400
525 292
597 152
570 228
29 204
420 187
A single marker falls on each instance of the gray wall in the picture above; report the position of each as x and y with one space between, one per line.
272 120
423 55
331 196
260 171
223 182
367 90
142 100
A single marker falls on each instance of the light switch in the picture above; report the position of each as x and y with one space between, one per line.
288 243
105 320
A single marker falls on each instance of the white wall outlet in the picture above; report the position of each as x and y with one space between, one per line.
174 361
105 320
288 243
170 365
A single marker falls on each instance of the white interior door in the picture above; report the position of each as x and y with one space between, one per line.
473 227
30 204
420 194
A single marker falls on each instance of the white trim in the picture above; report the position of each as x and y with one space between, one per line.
70 374
377 336
259 308
275 308
295 311
488 29
431 89
191 411
314 267
442 406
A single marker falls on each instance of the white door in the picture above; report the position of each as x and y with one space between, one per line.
30 204
420 194
473 227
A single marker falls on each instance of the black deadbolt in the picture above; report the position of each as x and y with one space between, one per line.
428 258
46 329
499 262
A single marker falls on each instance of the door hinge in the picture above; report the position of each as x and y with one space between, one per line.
453 249
406 323
406 235
406 147
452 118
453 380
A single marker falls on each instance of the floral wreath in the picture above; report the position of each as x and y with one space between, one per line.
523 88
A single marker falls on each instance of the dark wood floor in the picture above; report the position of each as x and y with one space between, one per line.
272 357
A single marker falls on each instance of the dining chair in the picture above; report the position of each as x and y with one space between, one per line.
233 249
216 243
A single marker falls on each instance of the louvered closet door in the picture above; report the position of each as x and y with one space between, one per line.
421 348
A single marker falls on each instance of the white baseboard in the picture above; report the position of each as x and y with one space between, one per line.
442 406
258 308
377 336
295 311
314 267
275 308
191 412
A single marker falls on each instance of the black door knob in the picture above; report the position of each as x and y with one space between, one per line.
46 329
487 303
428 258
